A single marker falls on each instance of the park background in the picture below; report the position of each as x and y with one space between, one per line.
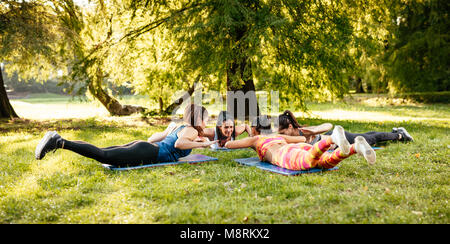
106 71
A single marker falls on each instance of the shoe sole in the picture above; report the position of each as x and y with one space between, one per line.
42 143
367 151
406 133
341 141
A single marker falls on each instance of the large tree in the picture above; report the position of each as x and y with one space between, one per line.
6 110
89 29
300 48
28 43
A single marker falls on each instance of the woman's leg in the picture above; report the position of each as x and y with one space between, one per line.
330 160
134 153
311 156
305 157
372 137
319 157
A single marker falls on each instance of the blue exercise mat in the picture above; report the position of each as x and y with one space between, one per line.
191 159
275 169
279 170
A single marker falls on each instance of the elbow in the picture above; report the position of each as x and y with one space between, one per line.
178 145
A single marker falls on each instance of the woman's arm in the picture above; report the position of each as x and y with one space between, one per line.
243 143
243 128
209 133
318 129
187 137
159 136
294 139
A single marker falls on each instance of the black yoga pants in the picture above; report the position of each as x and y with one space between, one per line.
131 154
371 137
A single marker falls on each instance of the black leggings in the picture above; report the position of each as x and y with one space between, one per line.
371 137
131 154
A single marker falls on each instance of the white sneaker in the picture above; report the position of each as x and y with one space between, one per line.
339 139
363 148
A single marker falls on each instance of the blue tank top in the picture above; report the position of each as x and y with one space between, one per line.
167 151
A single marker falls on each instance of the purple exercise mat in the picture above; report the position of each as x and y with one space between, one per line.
190 159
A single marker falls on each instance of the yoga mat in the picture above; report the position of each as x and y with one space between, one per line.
191 159
275 169
224 149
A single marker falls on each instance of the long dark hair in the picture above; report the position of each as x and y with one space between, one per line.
194 115
287 118
222 117
262 124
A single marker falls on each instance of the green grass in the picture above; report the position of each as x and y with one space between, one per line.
408 184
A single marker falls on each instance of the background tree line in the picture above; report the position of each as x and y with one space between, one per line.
307 50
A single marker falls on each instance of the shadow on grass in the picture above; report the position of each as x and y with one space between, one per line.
34 126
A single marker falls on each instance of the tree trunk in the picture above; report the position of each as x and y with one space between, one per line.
111 104
359 85
179 101
6 110
161 105
241 98
369 87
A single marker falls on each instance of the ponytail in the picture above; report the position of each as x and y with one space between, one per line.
262 124
287 118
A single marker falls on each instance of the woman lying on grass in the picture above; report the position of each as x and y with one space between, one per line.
225 130
292 153
168 146
288 125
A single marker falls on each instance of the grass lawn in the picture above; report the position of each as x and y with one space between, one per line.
408 184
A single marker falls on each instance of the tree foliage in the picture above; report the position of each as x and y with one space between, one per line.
30 42
417 57
303 49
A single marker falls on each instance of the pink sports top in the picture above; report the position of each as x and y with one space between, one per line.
264 142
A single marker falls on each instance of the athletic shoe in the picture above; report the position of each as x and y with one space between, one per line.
47 144
405 135
363 148
339 139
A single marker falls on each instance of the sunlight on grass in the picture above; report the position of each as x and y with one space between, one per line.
334 114
41 111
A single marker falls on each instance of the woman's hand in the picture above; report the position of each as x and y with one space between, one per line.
207 143
202 139
309 138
